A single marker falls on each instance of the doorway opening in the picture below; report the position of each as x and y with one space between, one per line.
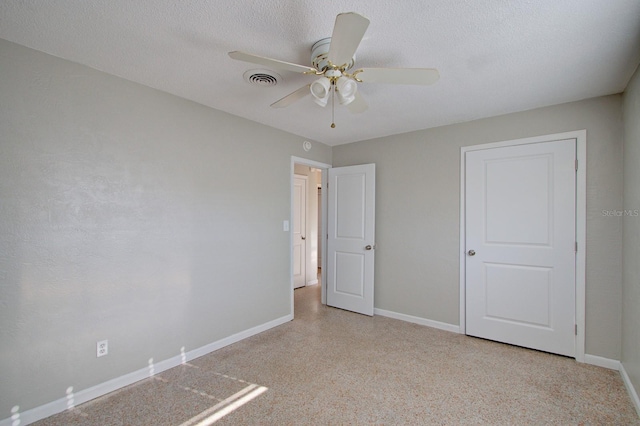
308 225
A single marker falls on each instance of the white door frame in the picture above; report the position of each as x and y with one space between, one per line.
323 196
581 217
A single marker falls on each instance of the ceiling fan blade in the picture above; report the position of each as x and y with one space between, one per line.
347 35
358 105
292 97
421 76
268 62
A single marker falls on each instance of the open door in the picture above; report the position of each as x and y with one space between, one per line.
351 238
299 231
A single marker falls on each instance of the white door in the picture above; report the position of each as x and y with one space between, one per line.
520 245
351 238
320 245
299 231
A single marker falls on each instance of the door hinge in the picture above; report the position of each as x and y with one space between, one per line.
575 329
576 246
576 165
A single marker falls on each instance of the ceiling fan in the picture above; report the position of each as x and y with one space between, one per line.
332 59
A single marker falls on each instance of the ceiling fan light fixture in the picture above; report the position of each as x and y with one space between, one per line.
331 59
347 89
320 90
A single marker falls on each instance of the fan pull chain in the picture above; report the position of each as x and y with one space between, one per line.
333 105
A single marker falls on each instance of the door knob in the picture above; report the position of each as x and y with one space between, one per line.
472 252
303 238
368 247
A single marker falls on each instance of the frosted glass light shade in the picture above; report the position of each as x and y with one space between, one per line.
320 90
347 89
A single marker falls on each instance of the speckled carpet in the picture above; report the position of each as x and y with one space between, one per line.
330 366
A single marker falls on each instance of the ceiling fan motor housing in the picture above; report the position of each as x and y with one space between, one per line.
319 53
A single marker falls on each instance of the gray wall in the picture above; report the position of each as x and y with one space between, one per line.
418 204
131 215
631 235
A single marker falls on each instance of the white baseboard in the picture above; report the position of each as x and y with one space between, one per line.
80 397
612 364
630 389
196 353
616 365
417 320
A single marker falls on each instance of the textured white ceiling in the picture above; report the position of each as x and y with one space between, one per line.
494 56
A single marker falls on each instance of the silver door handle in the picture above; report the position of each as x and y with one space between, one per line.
472 252
369 247
303 238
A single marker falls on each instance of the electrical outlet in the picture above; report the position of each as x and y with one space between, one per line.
102 348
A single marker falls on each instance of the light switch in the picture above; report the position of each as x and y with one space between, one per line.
285 225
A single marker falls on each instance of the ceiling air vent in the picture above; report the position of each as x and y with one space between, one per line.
262 78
